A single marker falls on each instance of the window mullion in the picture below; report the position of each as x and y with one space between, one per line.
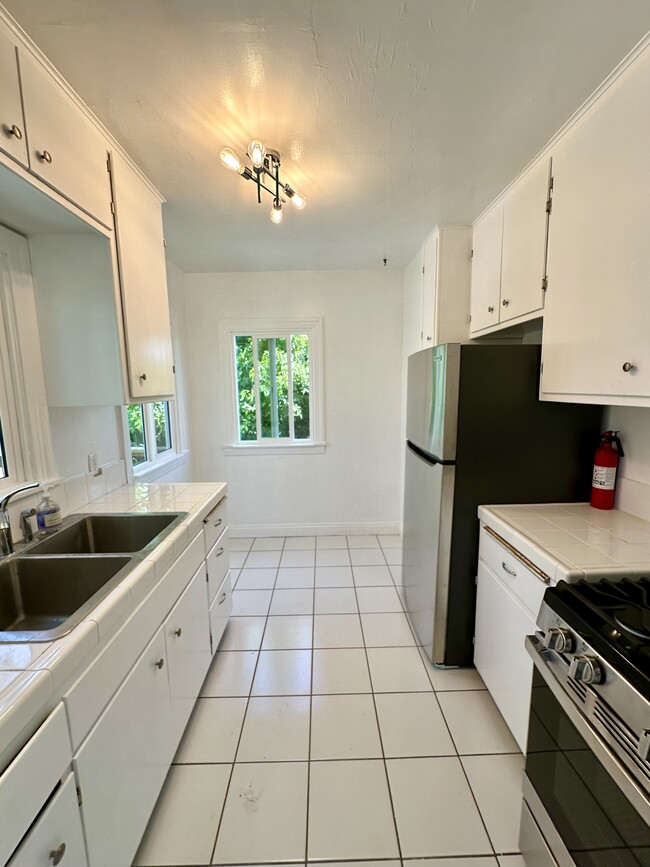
149 432
256 385
292 432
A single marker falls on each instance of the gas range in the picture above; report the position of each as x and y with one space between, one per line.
596 639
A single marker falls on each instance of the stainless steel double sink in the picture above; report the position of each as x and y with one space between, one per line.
48 587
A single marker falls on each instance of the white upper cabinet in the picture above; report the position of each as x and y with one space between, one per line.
508 264
66 150
595 342
486 269
436 290
143 278
523 257
429 287
12 124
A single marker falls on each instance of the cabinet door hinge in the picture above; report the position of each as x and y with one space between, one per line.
173 368
544 284
79 798
108 165
549 200
541 367
164 243
471 253
423 269
112 207
474 640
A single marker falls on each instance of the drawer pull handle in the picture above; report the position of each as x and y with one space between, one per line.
222 598
45 157
160 663
219 552
509 571
14 131
219 523
178 632
56 855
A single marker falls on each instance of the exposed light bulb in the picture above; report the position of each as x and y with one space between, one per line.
299 201
257 152
231 161
276 212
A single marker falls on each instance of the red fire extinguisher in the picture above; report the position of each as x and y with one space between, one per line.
605 466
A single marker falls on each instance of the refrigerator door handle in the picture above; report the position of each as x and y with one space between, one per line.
430 459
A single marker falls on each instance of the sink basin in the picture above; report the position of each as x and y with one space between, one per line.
108 534
42 598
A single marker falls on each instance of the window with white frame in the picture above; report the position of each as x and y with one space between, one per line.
276 383
152 436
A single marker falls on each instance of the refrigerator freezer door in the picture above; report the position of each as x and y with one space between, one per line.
432 402
428 510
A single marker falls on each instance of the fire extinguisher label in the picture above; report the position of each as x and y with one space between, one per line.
604 478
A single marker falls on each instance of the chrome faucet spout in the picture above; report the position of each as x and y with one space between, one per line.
6 539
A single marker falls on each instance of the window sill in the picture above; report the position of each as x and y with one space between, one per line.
150 472
278 449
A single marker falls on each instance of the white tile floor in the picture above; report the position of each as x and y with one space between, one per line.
322 734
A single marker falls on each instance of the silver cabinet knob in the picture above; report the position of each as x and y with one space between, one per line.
490 309
222 598
505 568
505 302
429 339
44 156
56 855
628 367
14 131
558 639
586 669
160 663
178 632
143 377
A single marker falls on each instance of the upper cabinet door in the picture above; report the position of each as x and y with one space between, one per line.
523 256
595 340
66 150
486 269
12 124
429 289
143 278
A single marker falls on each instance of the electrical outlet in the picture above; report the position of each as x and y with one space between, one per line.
93 464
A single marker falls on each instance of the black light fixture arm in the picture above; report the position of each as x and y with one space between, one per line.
266 163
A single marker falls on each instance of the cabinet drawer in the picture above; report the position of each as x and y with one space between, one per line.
57 837
187 636
522 578
214 524
502 624
220 612
29 780
217 563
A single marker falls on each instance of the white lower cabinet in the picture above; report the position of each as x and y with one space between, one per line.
57 836
187 636
123 763
502 623
217 563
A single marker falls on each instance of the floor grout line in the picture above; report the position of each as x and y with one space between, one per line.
241 730
381 739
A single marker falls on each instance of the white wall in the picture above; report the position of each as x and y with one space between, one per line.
80 431
633 485
354 485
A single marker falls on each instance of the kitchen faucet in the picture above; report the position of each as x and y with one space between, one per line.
6 541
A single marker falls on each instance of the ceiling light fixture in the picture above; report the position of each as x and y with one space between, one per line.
266 163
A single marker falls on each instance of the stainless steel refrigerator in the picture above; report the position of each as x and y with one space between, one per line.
477 434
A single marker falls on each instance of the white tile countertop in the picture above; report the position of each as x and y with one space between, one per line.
570 541
32 676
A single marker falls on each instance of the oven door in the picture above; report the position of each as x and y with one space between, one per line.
581 806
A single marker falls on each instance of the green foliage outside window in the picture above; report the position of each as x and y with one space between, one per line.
267 348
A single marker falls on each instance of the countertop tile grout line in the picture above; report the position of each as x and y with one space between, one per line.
381 739
243 723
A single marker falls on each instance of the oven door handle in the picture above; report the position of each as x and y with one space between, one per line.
626 783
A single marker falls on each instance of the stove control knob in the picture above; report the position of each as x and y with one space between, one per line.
586 669
558 639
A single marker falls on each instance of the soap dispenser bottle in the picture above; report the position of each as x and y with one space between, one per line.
48 514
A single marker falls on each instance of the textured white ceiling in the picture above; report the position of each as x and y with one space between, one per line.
391 115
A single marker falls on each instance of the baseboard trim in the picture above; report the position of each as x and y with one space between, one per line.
238 531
